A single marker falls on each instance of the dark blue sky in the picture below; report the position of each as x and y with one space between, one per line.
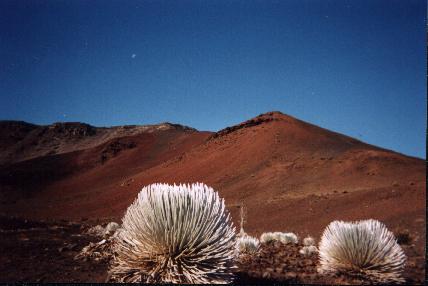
355 67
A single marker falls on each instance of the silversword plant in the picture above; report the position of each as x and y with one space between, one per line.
175 234
365 248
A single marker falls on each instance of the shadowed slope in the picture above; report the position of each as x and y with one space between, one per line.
20 141
86 167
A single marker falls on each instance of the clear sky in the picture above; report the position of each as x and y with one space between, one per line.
356 67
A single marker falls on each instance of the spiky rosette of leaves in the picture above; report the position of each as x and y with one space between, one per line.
365 248
175 234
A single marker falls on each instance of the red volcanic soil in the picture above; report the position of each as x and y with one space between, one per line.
288 174
76 178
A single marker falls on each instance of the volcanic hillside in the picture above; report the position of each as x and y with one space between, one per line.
88 160
288 174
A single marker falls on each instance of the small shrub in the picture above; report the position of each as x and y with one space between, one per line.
308 241
100 251
365 248
247 244
111 228
282 237
308 250
97 230
277 235
289 237
267 237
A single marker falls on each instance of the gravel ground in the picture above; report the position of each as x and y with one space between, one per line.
38 251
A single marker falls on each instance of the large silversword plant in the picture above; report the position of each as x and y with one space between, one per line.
364 248
175 234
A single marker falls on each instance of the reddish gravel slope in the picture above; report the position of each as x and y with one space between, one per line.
289 175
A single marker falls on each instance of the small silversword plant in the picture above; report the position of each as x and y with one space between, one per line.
365 248
247 244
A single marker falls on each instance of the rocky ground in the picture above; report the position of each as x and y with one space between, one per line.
44 251
276 262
